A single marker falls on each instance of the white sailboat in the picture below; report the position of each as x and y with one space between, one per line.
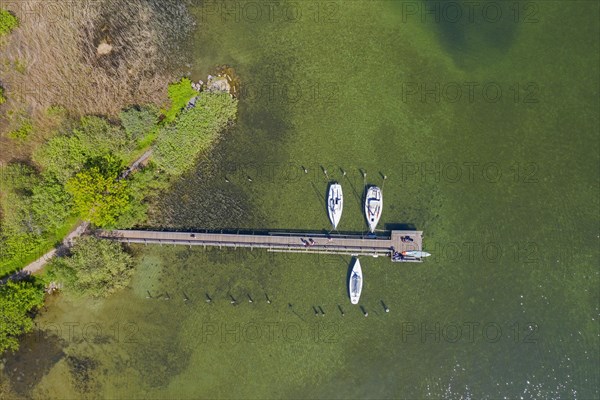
373 206
335 204
355 283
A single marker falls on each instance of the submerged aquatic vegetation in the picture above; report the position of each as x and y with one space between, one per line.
82 373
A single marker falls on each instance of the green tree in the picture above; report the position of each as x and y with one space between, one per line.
95 268
179 144
17 301
99 196
8 22
2 98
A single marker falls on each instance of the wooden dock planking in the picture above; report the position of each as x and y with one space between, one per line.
291 242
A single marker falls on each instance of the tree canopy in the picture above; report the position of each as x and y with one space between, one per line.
95 268
17 301
98 194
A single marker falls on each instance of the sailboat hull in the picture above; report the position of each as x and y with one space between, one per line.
416 254
335 204
373 207
355 283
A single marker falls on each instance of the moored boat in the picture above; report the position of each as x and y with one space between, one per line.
335 204
373 207
416 253
356 282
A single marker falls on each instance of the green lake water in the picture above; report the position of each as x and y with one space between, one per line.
487 132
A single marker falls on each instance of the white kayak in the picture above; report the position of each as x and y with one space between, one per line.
355 283
335 204
373 206
416 253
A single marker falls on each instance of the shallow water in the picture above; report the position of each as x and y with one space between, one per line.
503 180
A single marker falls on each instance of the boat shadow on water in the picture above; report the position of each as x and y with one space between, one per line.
322 198
350 265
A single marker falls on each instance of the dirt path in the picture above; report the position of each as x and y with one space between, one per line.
66 243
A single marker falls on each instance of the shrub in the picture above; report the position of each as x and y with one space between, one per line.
95 268
56 111
8 22
23 131
2 98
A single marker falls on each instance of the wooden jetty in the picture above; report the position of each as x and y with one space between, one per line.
355 244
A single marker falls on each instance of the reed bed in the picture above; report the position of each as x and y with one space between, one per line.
92 57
